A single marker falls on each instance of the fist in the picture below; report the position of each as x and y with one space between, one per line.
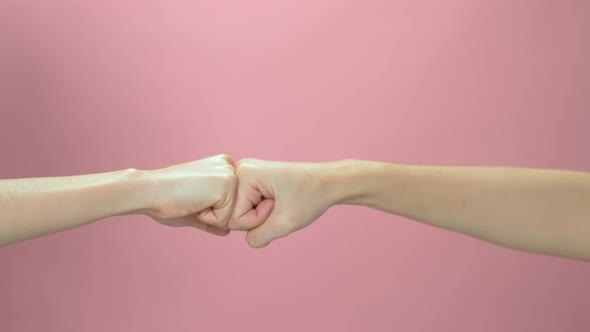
275 199
199 194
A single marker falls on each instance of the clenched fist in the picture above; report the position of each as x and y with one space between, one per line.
199 194
277 198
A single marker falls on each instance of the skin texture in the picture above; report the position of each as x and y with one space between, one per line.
540 211
198 194
275 199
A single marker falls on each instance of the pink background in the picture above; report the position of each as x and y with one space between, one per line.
91 86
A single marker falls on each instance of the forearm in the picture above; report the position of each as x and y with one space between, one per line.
40 206
543 211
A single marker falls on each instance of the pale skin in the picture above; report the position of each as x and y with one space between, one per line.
539 211
198 194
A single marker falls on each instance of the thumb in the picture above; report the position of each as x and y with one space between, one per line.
273 228
214 216
254 217
192 221
209 217
218 215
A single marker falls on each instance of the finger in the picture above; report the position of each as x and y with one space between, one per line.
230 160
219 214
269 231
242 161
192 221
210 229
226 158
224 211
208 217
213 230
246 214
255 216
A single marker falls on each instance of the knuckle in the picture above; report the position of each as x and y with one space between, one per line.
246 162
228 168
230 181
215 218
240 172
221 156
225 214
244 167
224 156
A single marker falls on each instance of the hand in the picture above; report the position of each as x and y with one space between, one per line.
277 198
198 194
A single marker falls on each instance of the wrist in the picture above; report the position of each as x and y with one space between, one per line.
360 182
344 181
136 186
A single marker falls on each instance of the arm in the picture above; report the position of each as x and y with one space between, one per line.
542 211
181 195
35 207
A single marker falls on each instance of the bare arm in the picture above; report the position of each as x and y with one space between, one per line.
180 195
35 207
541 211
